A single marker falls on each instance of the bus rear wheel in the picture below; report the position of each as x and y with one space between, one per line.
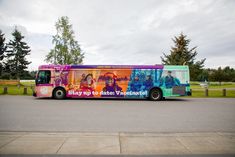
59 93
155 94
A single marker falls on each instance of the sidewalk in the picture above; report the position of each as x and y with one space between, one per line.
116 143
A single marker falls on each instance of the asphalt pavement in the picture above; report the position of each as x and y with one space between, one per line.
26 113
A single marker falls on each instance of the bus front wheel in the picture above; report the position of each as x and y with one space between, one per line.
59 93
155 94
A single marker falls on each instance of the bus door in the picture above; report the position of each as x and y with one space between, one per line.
43 84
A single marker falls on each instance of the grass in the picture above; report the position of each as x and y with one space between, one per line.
212 85
214 89
15 90
29 83
213 93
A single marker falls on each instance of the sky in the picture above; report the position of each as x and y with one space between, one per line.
126 31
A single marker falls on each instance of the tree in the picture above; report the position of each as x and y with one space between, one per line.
16 55
229 74
66 49
180 54
226 74
204 75
218 75
3 48
28 75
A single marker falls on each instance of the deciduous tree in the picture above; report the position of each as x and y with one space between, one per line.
66 49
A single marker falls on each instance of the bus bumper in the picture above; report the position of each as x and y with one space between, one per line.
189 93
34 94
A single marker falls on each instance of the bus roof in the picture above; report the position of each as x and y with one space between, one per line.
51 66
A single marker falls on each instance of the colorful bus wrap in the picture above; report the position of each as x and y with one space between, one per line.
112 81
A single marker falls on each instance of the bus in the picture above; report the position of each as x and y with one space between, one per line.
154 82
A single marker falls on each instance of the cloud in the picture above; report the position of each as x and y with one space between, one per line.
127 32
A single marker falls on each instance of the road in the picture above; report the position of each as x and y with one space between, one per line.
26 113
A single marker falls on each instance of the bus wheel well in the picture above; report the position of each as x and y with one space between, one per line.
158 90
59 89
155 88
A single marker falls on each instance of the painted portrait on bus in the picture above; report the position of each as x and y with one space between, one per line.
140 83
64 77
87 84
82 83
111 88
148 83
113 82
169 80
58 80
136 84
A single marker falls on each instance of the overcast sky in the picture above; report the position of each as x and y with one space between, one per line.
126 31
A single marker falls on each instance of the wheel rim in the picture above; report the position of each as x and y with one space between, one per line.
59 94
155 95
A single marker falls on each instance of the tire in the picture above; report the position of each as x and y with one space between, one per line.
155 94
59 93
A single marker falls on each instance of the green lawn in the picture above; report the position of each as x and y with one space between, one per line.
214 88
213 93
15 90
196 85
29 83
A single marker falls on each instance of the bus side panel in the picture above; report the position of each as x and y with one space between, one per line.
130 83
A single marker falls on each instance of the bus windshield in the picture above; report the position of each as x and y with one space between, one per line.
43 77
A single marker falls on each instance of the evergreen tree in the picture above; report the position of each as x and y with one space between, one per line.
16 55
3 48
229 74
180 54
204 75
218 75
226 74
66 49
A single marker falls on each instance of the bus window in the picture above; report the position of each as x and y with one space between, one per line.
44 77
172 78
